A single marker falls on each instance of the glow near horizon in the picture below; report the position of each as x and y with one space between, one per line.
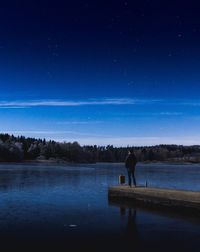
102 136
106 140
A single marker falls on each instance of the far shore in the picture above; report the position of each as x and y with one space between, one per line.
58 161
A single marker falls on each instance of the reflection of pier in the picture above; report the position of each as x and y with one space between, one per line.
175 199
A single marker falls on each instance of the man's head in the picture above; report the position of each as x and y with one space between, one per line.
130 152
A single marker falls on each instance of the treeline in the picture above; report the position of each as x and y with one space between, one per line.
17 149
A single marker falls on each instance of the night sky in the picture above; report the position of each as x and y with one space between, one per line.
101 72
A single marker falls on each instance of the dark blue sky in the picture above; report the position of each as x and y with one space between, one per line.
118 72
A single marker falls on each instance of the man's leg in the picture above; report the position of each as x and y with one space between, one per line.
133 176
129 178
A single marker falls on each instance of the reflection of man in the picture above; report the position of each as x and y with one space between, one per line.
122 211
131 224
131 237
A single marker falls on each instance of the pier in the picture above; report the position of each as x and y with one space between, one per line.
157 197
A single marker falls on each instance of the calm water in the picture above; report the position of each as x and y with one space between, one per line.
46 206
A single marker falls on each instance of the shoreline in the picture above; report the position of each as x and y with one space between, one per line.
75 163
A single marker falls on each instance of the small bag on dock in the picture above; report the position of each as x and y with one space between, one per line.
121 179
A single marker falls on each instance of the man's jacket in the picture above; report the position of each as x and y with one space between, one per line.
130 162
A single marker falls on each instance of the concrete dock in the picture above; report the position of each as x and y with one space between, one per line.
179 199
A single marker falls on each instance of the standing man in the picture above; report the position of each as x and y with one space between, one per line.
130 164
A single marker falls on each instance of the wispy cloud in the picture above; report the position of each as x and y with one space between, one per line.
65 103
79 122
185 102
191 103
16 104
12 107
168 113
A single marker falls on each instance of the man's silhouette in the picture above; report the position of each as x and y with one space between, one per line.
130 164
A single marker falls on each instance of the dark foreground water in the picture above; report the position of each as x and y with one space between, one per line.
66 208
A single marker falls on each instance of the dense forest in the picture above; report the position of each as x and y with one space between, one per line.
18 149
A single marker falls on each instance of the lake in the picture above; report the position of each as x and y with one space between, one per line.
45 206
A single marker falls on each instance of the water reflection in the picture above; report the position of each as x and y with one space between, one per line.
131 234
150 229
132 231
68 205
